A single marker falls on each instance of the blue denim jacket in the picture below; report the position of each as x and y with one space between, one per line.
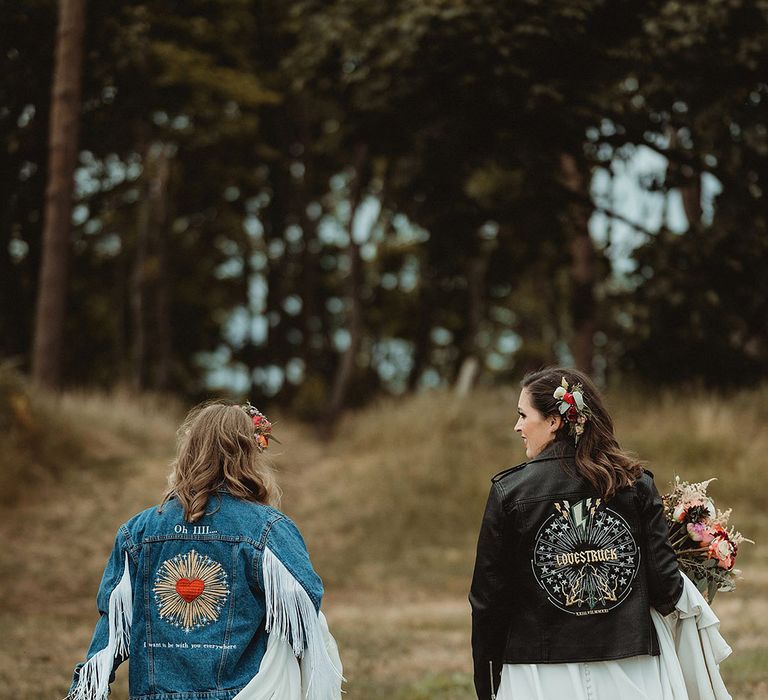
192 603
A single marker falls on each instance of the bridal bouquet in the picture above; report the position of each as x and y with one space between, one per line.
705 546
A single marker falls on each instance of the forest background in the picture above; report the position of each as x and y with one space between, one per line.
319 205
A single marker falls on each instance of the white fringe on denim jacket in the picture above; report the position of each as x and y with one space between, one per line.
295 630
94 674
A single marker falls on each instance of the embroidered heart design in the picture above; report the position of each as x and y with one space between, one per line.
189 589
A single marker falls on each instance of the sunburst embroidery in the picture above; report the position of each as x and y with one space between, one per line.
585 557
190 590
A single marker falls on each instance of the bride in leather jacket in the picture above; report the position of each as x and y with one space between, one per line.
572 555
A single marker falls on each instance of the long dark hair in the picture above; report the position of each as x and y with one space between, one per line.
599 458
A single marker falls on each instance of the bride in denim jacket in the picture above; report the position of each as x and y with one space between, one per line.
212 595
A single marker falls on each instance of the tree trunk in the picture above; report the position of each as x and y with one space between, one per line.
150 297
8 285
158 193
691 194
583 269
346 368
468 365
138 290
121 301
311 323
583 301
311 320
63 148
423 337
689 182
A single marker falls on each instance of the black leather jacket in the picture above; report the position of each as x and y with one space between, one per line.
561 575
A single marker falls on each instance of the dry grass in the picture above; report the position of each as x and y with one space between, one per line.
390 511
46 436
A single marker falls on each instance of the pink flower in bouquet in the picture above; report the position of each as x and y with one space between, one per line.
679 513
701 533
722 549
706 547
695 511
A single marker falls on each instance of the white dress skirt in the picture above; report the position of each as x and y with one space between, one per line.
284 677
687 668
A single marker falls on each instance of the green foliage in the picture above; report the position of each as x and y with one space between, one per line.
698 301
278 125
198 73
699 309
24 99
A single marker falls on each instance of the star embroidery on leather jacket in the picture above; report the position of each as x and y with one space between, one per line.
585 557
190 590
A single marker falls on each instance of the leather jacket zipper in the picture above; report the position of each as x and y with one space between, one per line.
490 670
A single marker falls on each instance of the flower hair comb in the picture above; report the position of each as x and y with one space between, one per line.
570 403
262 428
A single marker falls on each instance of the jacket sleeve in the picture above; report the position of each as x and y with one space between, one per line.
286 544
665 582
110 643
293 593
490 598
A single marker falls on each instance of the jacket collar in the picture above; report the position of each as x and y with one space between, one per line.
557 449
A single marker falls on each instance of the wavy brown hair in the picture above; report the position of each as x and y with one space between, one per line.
217 449
599 458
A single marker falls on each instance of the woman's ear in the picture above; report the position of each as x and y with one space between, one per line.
555 423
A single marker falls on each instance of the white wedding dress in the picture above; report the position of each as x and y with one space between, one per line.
687 668
282 676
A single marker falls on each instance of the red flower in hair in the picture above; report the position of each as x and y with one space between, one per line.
262 428
571 406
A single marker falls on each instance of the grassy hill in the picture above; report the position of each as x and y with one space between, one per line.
390 510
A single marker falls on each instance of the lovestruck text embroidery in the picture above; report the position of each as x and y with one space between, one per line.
190 590
585 557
